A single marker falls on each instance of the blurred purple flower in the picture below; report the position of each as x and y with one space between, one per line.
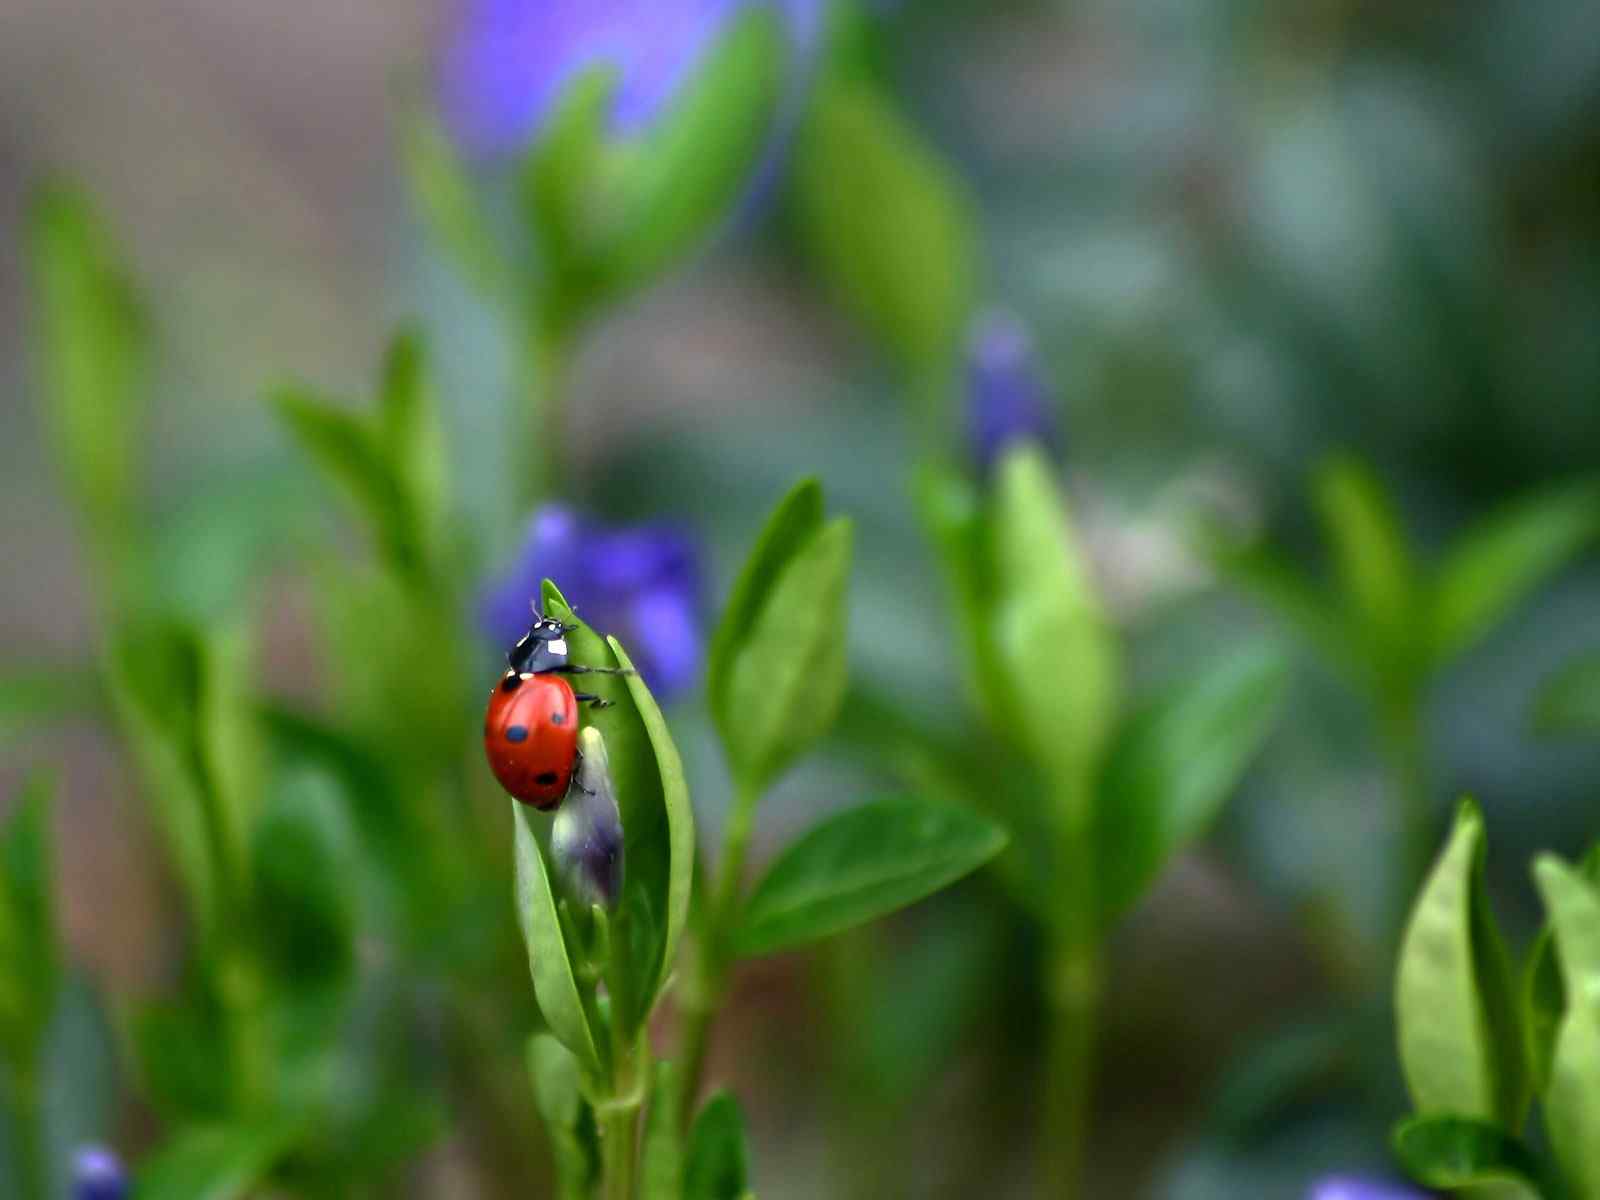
97 1174
1007 400
586 836
506 62
1356 1187
642 583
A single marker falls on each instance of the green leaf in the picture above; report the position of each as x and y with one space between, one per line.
885 223
1054 654
553 982
861 864
1442 1151
92 351
1544 993
413 443
718 1162
1498 563
696 161
444 199
1461 1046
1569 702
1262 572
1174 765
32 698
1372 561
953 516
680 813
661 1171
1572 1095
214 1163
30 953
568 1119
652 885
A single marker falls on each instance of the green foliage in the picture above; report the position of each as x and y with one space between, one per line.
778 661
214 1163
91 346
885 224
1544 992
1572 1092
35 698
862 864
1444 1151
1174 764
567 1117
717 1163
1461 1042
661 1173
1569 703
31 965
443 196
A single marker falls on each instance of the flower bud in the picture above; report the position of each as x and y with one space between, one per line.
586 837
1355 1187
97 1174
1007 400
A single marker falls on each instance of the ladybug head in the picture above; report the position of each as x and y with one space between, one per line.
542 648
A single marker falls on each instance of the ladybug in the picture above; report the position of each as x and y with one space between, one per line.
530 731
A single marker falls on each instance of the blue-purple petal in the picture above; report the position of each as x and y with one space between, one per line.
1357 1187
97 1174
1007 400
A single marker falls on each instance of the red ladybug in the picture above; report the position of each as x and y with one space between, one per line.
530 731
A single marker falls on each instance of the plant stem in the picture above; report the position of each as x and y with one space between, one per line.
706 980
239 984
540 422
32 1171
619 1117
1073 993
1407 752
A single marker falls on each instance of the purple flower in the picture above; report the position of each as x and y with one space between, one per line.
97 1174
641 583
1355 1187
506 62
1007 400
586 836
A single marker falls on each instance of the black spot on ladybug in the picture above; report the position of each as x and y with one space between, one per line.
517 733
545 778
558 718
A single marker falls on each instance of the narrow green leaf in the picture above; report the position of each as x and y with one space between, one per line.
444 200
1174 765
795 521
305 911
33 698
953 516
861 864
1055 656
1373 563
651 894
661 1172
1259 570
1498 563
553 981
568 1119
412 441
696 161
718 1162
91 340
1569 702
1461 1045
1442 1151
1544 993
1572 1095
30 954
680 813
885 223
214 1163
787 678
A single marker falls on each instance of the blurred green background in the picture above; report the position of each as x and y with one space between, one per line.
1244 235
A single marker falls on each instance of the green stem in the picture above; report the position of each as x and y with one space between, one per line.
1074 986
32 1169
1408 758
250 1054
706 981
540 422
619 1117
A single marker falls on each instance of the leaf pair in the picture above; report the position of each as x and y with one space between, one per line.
658 853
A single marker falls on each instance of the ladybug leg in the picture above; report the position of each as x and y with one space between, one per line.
577 775
592 700
580 669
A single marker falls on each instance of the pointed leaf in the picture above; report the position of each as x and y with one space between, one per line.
1174 766
1572 1096
1457 1152
661 1171
1371 559
553 983
568 1119
1544 992
1497 564
444 200
1569 702
861 864
1461 1045
214 1163
718 1162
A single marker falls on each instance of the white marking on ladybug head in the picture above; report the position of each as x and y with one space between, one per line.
557 645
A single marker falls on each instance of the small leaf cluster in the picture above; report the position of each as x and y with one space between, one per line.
1480 1039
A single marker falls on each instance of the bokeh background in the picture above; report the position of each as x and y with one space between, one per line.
1243 235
